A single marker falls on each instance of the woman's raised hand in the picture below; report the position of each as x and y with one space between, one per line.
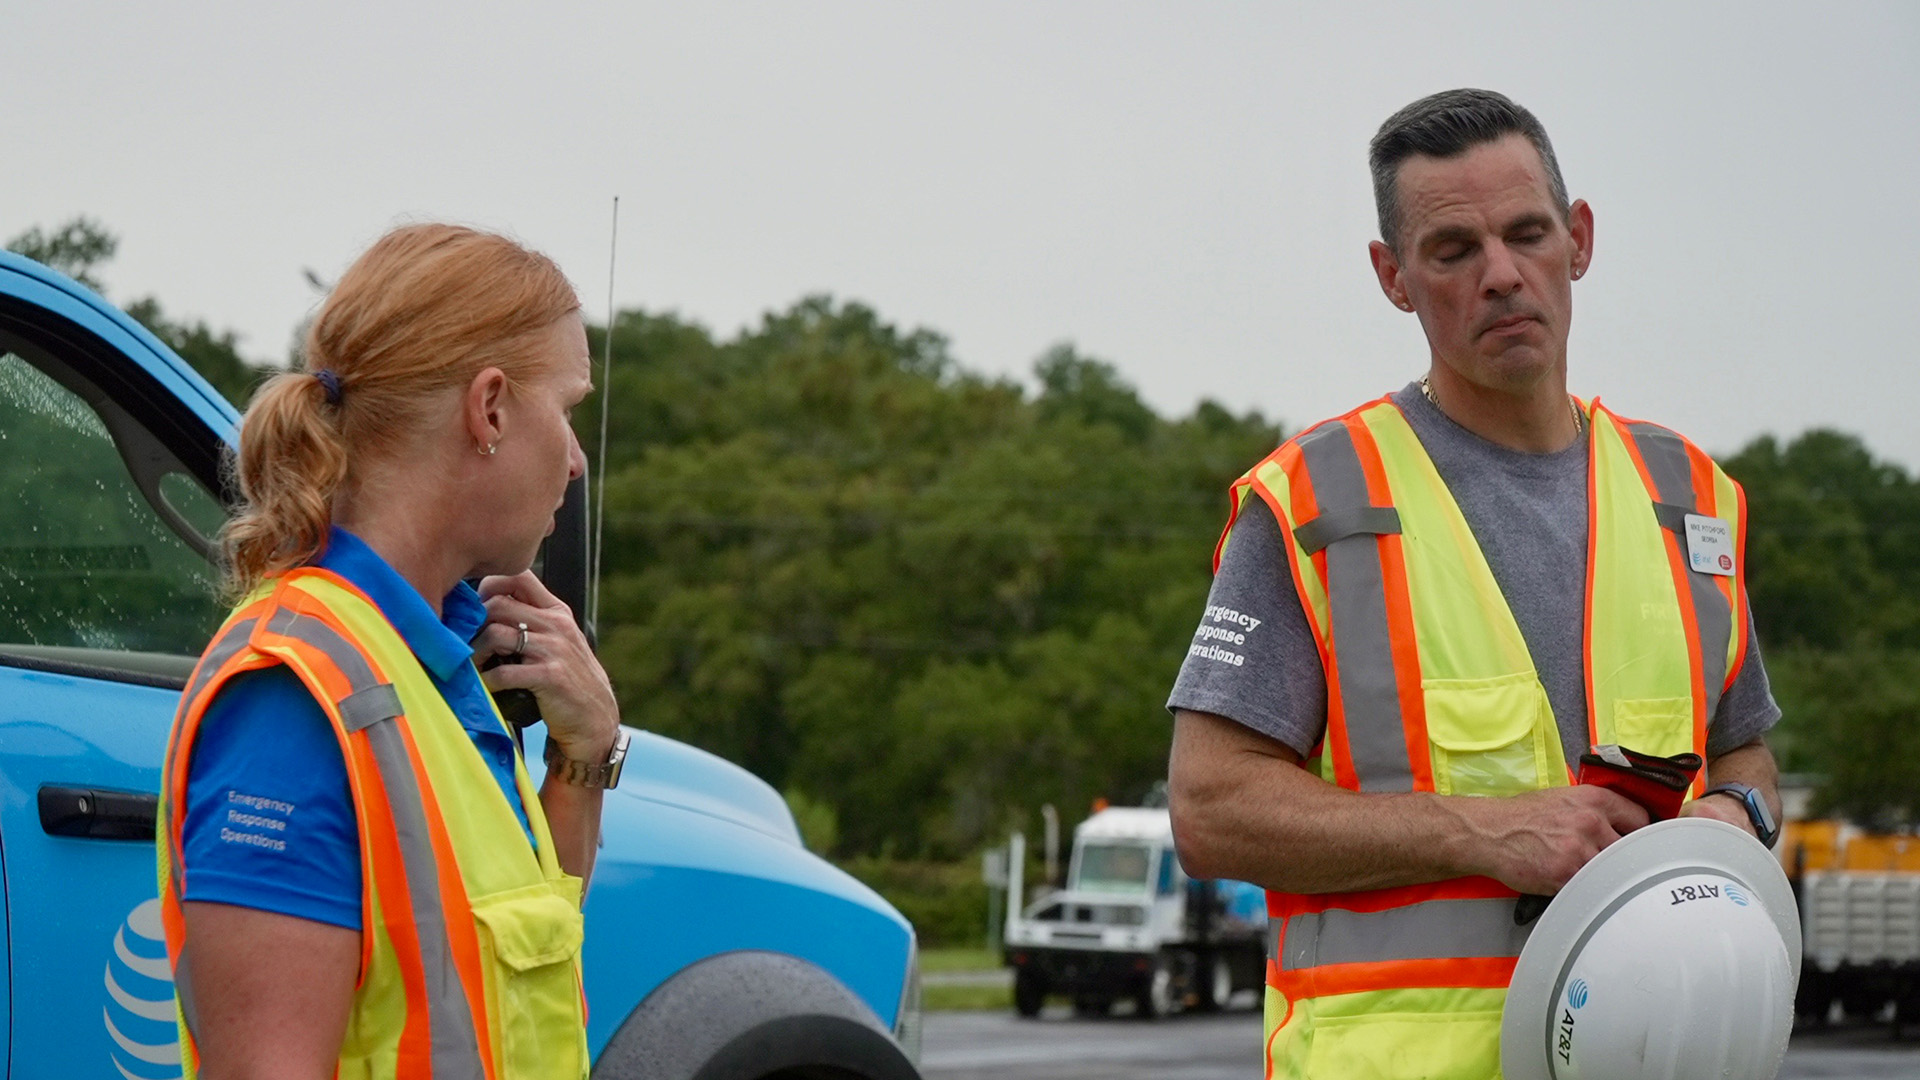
554 661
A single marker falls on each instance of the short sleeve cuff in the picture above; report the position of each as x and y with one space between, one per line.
1236 709
265 894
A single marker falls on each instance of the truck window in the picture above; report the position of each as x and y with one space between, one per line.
103 536
1114 868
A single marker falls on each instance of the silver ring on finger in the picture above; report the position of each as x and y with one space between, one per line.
520 649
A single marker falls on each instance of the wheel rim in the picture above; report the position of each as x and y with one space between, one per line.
1161 991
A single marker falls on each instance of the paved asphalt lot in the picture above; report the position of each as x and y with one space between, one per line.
1057 1046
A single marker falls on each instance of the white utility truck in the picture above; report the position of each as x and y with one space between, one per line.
1132 925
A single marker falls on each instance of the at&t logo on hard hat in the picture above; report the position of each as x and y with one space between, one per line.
1672 954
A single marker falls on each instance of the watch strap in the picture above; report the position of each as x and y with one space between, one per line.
1757 811
588 774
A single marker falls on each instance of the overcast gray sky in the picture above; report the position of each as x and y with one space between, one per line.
1179 188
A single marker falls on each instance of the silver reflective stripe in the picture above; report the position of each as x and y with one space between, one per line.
1432 930
456 1047
223 649
183 994
1672 472
1334 525
1673 517
1357 604
364 708
313 632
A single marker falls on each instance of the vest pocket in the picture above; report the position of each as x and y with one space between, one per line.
530 942
1436 1046
1488 736
1661 727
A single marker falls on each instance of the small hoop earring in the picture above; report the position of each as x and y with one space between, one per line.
490 448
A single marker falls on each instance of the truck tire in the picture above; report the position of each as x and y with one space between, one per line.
750 1015
1029 992
1813 1000
1154 998
1216 984
1861 999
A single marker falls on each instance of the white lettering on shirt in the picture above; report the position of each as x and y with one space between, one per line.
1219 614
261 813
1226 626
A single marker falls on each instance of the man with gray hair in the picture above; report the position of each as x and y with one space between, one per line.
1461 588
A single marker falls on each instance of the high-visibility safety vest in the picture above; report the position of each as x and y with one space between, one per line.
470 939
1430 687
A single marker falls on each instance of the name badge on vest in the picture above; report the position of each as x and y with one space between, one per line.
1710 545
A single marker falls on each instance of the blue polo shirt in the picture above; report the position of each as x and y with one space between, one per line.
269 816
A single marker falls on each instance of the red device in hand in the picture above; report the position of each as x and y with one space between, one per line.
1657 783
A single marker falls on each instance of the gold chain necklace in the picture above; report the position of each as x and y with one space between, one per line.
1573 405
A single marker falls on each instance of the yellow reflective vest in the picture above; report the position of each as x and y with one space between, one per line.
1430 687
470 940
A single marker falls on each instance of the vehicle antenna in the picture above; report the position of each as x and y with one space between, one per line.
606 393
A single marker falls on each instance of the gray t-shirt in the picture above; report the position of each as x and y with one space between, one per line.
1253 658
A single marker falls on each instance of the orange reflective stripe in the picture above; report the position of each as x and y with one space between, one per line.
1707 491
1700 476
1683 589
1400 632
1710 609
1303 505
1737 593
453 1001
385 862
1490 972
461 941
1593 560
1236 496
1368 730
1461 888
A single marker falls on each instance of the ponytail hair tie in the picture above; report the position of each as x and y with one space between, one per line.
331 384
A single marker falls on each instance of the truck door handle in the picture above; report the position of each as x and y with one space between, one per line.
97 813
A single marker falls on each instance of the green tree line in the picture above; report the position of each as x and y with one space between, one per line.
924 599
923 602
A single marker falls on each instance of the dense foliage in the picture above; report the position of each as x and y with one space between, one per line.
1833 568
926 600
924 603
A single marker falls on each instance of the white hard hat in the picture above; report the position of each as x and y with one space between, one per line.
1672 955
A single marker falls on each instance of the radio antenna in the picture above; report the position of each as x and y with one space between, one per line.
606 393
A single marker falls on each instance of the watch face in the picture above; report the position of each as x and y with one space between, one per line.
1758 815
1762 817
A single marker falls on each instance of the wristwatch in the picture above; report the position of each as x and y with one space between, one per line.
587 774
1757 812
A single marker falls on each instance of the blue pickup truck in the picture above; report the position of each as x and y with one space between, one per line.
717 948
